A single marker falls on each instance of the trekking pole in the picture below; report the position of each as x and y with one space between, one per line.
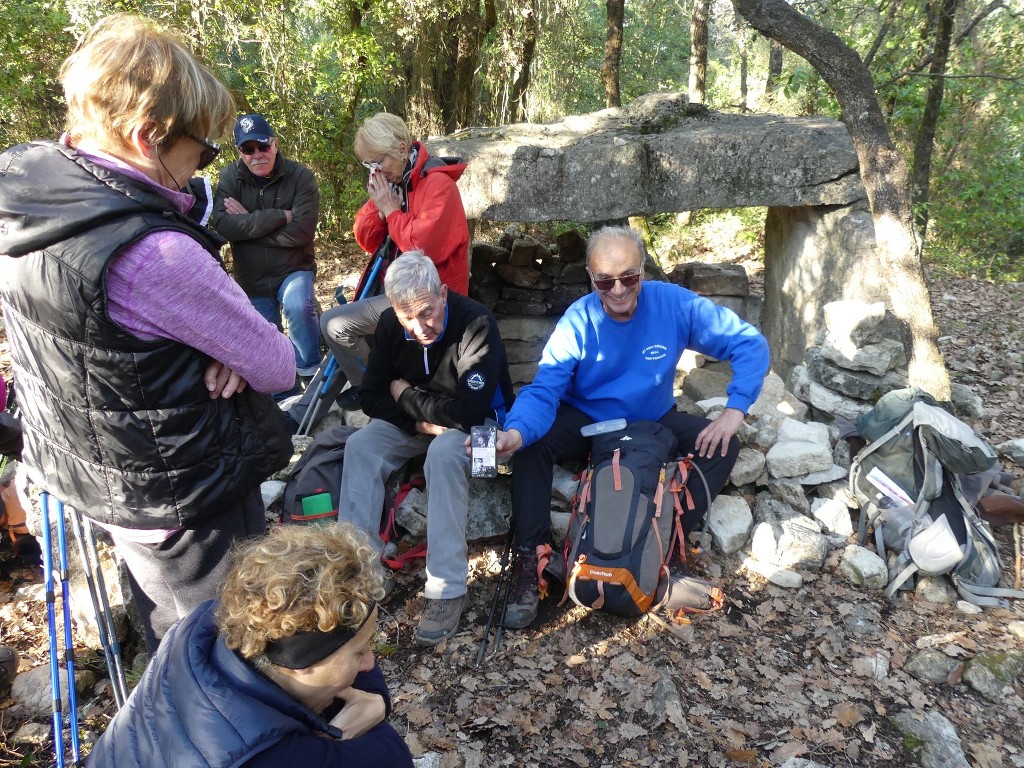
117 682
51 624
503 578
101 589
69 647
314 387
309 417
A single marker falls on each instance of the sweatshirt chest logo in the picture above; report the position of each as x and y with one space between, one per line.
654 352
475 381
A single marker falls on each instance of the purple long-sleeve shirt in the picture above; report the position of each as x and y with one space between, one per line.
167 286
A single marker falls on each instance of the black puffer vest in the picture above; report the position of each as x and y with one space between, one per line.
122 429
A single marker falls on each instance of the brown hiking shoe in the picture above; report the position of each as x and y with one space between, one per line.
522 603
439 621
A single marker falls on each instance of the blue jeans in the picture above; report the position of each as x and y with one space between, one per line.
295 299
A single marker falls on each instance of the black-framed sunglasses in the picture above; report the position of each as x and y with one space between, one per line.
210 150
607 283
250 147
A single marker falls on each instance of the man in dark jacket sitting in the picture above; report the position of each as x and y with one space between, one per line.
437 369
267 206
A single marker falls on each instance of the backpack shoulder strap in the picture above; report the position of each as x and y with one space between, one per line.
987 597
905 569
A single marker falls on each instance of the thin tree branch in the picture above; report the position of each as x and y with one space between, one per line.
882 32
926 60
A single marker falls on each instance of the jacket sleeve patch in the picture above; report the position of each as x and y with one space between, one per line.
475 381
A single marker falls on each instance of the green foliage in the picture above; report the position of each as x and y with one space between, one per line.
729 235
32 45
316 69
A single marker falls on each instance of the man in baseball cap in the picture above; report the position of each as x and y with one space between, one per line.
253 128
267 207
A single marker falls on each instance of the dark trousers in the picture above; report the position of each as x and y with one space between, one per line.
533 468
171 578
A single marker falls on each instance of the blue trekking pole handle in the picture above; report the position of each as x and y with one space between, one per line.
329 369
51 618
69 646
378 262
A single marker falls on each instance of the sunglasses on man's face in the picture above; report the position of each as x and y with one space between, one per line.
210 150
249 148
607 283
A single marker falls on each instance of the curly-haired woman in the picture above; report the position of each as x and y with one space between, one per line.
279 672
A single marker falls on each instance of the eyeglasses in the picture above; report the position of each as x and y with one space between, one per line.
607 283
249 148
210 150
373 165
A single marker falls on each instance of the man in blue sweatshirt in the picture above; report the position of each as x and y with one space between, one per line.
613 355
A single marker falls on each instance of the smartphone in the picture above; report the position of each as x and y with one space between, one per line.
483 442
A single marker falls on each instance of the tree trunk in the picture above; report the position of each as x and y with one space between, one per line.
742 42
882 170
613 52
522 82
774 68
924 145
699 51
441 67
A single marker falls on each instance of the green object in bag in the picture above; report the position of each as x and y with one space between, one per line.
318 505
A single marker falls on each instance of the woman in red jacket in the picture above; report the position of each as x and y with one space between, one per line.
413 201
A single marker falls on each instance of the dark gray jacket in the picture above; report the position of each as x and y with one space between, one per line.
265 248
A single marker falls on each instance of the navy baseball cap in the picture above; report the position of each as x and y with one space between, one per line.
252 128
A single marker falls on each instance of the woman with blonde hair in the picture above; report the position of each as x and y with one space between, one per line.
142 368
279 672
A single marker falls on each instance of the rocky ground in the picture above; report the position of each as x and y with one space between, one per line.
826 673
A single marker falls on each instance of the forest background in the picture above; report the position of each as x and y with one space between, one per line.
949 76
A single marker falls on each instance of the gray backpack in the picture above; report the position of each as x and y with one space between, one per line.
906 481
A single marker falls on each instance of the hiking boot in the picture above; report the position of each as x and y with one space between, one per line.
439 621
349 399
522 603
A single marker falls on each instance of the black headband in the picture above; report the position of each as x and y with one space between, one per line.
304 649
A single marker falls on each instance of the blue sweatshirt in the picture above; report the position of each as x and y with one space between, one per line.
626 369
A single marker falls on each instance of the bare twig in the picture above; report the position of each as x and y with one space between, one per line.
1017 548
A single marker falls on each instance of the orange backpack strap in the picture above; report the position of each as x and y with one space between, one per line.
617 469
583 571
543 558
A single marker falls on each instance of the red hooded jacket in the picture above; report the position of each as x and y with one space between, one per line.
435 222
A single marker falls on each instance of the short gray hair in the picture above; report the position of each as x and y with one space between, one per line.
624 233
410 275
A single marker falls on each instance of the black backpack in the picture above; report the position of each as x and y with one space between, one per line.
626 520
317 478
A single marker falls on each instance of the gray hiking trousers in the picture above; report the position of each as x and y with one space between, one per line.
378 449
345 329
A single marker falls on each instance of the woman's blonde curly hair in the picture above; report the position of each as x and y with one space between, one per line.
297 579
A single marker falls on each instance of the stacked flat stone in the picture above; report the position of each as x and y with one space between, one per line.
858 359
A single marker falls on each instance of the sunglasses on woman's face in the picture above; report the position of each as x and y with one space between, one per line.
249 148
210 150
607 283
